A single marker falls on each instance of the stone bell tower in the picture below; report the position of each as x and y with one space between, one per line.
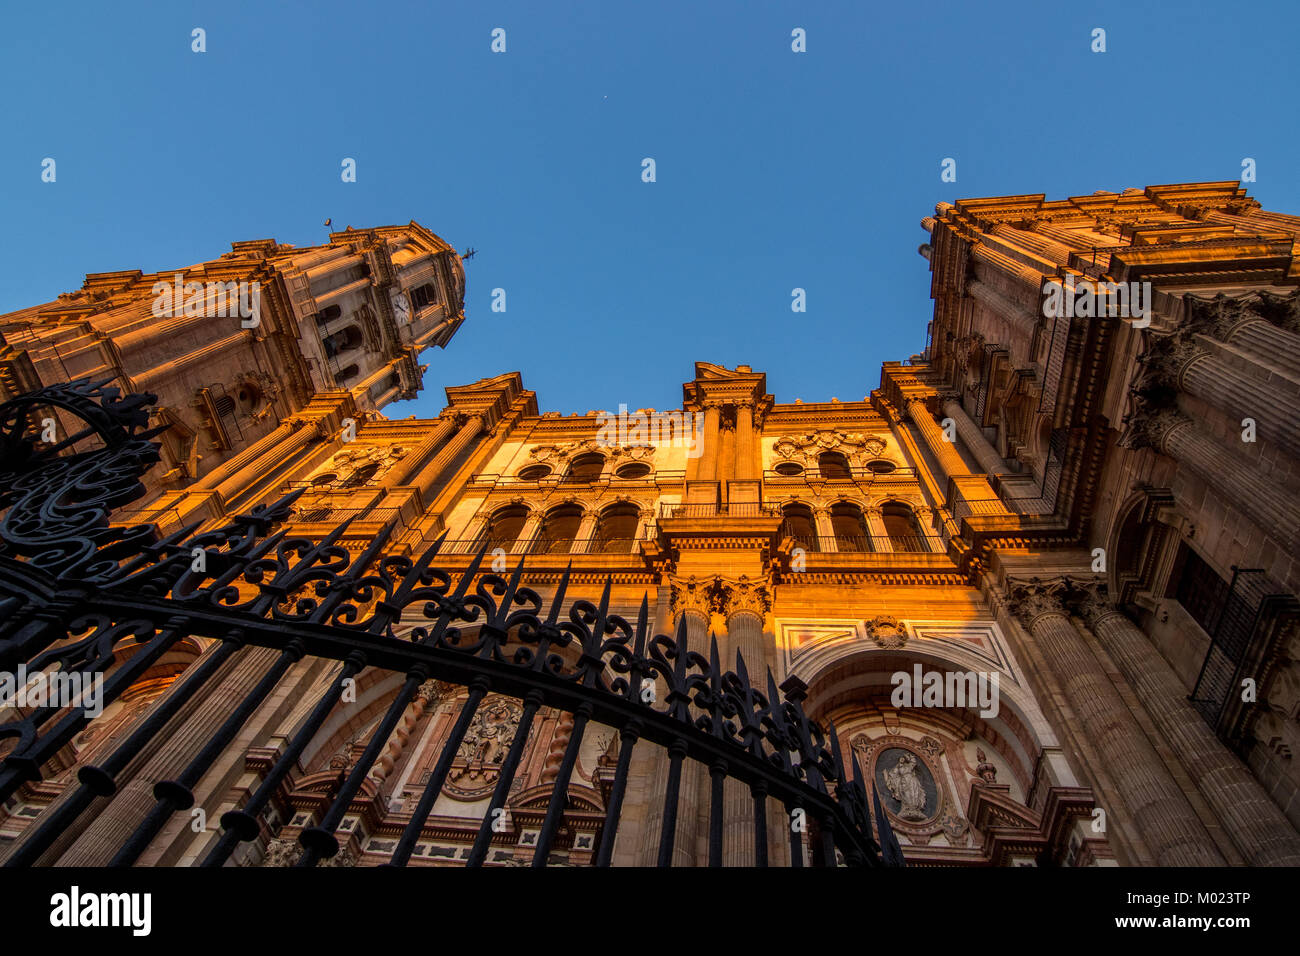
236 347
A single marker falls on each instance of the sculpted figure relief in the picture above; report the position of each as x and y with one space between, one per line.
905 787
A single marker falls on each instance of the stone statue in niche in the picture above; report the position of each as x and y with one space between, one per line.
906 787
985 770
489 736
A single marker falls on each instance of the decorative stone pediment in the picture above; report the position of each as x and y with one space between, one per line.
352 464
556 454
856 447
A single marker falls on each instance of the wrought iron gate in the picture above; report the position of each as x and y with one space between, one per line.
79 596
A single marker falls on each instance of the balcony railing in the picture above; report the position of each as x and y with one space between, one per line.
748 509
543 546
863 544
814 476
500 480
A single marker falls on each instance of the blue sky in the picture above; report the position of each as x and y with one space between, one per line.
775 170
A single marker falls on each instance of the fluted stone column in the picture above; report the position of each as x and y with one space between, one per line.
1188 367
727 444
1254 822
1171 433
1055 252
1026 280
189 360
474 530
235 464
247 478
429 476
586 530
1234 322
1016 315
118 819
989 460
748 465
693 599
417 456
745 605
950 461
1159 809
528 533
705 467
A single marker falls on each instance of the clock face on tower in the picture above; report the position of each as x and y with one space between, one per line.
402 306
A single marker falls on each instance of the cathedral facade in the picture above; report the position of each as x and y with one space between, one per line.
1042 580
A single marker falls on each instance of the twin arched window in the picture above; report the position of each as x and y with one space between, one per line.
615 529
849 527
902 527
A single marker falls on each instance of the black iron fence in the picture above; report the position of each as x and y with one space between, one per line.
81 596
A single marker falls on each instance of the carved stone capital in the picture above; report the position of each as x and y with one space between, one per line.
743 596
1091 602
1282 310
692 596
1033 599
1219 317
1150 424
1165 360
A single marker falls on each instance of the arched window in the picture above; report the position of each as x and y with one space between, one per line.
348 337
534 472
249 398
502 529
559 530
361 475
586 469
832 464
849 527
799 524
902 527
423 296
616 529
